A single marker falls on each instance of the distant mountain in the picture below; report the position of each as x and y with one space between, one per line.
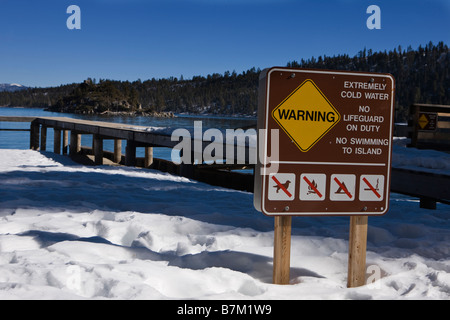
11 87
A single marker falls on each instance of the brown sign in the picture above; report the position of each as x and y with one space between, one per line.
427 121
331 132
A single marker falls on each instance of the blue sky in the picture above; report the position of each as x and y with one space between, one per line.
144 39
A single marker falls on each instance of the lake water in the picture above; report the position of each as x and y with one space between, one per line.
21 140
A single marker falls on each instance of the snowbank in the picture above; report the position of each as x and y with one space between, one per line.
74 232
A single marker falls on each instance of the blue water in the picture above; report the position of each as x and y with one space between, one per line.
21 140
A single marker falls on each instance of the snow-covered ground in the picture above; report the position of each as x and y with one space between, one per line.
72 232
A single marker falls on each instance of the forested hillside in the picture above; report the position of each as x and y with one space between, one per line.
422 76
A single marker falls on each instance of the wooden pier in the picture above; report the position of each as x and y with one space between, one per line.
67 141
134 136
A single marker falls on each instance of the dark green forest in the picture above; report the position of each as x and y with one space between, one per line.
422 76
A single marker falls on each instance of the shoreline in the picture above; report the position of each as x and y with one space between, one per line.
163 114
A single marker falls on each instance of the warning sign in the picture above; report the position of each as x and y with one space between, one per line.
327 142
306 115
428 121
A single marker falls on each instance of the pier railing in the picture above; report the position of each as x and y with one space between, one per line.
67 134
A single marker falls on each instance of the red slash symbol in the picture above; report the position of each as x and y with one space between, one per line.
342 187
282 187
312 186
371 187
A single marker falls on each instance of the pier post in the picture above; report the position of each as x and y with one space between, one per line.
148 157
117 150
57 141
65 141
75 143
98 149
427 203
44 138
34 136
130 153
187 170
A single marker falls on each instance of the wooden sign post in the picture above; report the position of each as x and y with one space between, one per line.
333 130
357 251
282 249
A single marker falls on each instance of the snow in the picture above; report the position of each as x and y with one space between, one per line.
74 232
424 160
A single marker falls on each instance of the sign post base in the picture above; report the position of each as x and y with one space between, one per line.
282 249
357 251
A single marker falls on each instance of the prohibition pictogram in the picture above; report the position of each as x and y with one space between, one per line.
312 187
342 187
371 187
282 186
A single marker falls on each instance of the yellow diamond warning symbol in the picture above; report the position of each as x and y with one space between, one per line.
423 121
306 115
